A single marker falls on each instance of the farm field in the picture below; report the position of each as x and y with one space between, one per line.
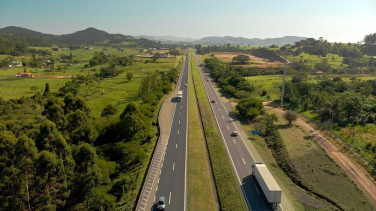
317 171
255 61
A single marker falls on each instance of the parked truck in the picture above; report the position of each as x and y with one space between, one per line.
180 95
269 186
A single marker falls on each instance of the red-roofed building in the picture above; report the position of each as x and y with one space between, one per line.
319 72
28 75
161 55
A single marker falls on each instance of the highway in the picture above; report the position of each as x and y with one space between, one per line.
240 156
172 180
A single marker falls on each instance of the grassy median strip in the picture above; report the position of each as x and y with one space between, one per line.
229 196
200 186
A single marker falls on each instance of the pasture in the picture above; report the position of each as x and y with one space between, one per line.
117 91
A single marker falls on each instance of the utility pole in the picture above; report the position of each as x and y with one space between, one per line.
284 78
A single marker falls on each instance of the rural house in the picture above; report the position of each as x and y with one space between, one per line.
28 75
319 72
161 55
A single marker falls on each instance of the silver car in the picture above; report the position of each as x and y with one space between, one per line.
161 203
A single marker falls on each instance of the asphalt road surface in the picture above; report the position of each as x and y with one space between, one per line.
172 181
240 156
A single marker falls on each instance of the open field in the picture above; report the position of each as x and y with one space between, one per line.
229 195
361 137
317 171
255 61
300 199
117 91
201 189
333 59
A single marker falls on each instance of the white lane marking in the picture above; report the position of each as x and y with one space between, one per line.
176 146
219 109
227 128
257 189
179 121
156 189
181 106
223 117
234 141
154 199
173 167
169 200
243 161
180 113
158 179
178 132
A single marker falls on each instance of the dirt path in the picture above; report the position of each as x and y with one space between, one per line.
353 171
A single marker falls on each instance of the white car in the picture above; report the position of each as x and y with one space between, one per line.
234 133
161 203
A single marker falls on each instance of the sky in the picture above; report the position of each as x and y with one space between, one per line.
334 20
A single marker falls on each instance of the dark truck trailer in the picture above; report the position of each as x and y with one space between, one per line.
269 186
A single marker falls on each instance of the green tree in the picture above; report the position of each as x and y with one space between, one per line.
241 59
129 76
54 112
109 110
25 155
34 88
51 139
46 90
290 116
249 107
51 188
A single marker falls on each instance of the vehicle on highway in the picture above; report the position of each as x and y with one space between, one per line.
186 85
161 203
269 186
207 80
213 101
180 95
234 133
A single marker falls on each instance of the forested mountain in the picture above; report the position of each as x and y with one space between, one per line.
166 38
246 41
87 36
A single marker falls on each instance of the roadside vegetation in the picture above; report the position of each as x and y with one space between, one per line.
341 104
229 194
201 189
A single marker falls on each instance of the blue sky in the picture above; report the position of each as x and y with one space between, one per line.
335 20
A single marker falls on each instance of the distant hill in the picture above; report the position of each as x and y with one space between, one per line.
87 36
246 41
167 38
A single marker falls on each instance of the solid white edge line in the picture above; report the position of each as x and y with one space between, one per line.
186 147
169 200
173 167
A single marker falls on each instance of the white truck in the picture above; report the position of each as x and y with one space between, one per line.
269 186
180 95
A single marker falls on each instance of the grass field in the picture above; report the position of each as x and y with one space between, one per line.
300 199
200 186
318 171
333 59
117 91
364 139
228 191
